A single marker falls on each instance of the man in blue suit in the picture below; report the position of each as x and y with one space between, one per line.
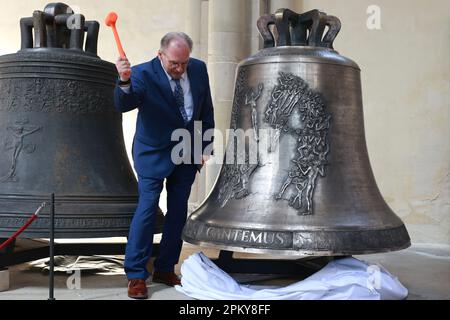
171 92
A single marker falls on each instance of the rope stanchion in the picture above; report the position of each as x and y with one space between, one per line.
25 226
51 283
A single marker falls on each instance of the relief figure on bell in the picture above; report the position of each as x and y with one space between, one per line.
16 144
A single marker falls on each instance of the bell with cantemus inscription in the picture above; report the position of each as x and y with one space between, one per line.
60 133
308 189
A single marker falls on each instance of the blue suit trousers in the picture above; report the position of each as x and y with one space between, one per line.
140 239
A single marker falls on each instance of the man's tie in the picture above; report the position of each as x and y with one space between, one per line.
179 98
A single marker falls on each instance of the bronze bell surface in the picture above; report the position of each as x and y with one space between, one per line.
60 133
311 190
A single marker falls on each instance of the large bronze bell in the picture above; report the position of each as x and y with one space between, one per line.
311 190
60 133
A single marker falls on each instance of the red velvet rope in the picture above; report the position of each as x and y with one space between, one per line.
25 226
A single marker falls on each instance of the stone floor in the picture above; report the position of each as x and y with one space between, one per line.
423 268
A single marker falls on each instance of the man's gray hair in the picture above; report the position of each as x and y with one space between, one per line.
165 41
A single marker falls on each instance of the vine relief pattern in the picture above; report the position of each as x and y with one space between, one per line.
292 94
290 99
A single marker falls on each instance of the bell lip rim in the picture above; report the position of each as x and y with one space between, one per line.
61 235
63 197
292 252
398 235
302 228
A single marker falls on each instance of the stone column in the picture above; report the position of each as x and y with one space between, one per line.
226 48
193 28
294 5
193 25
255 9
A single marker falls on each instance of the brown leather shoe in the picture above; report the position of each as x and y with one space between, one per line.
137 289
168 278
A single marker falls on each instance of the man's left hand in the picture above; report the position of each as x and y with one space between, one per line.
205 158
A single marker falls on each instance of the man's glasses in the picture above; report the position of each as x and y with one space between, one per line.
174 64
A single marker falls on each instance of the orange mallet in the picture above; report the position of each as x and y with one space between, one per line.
110 21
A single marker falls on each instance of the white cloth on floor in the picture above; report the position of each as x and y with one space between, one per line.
341 279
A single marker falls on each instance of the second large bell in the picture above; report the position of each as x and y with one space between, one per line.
310 189
60 133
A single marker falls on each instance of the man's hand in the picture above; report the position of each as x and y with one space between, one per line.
205 159
123 68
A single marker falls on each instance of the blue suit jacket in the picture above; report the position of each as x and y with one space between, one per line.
159 115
